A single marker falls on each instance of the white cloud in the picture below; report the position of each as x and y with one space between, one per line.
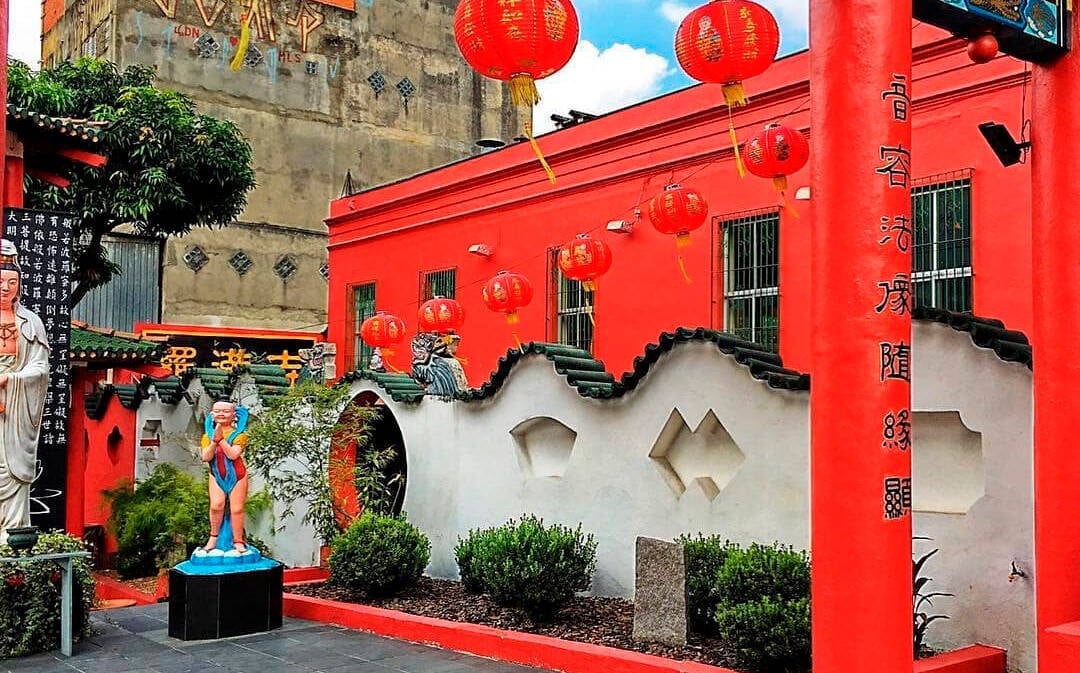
24 32
600 81
674 12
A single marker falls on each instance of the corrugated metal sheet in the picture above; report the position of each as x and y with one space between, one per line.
133 296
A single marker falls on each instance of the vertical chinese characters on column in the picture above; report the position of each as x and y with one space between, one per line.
896 304
44 243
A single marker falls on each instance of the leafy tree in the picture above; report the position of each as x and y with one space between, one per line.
170 169
289 445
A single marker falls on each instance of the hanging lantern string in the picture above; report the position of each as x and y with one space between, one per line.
523 93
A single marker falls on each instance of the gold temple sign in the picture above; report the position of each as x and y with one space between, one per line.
231 359
290 363
179 359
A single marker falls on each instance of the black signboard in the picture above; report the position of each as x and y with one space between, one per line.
1030 30
43 240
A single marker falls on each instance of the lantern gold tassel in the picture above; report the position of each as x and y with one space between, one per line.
523 90
536 149
682 241
734 94
781 184
388 353
242 44
517 340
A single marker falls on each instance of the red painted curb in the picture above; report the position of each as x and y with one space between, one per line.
509 646
309 574
107 588
560 655
973 659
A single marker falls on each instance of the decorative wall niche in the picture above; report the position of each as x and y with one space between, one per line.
948 475
706 456
544 446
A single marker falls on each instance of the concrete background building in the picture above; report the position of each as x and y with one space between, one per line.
328 86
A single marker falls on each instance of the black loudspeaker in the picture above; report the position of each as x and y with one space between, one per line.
1000 140
204 607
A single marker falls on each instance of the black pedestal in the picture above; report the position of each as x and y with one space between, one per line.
203 607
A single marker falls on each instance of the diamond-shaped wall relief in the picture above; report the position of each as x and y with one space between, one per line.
324 271
195 258
544 446
285 268
706 457
240 262
406 88
377 82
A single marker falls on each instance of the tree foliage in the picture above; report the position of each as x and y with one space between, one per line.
290 446
170 168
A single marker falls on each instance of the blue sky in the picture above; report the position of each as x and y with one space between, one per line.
626 53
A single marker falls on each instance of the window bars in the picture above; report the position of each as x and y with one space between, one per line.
362 300
570 309
750 254
941 268
441 283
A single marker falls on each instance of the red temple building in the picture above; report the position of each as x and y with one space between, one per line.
394 246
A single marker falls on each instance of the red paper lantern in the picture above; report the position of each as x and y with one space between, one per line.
776 152
519 42
983 49
506 293
382 330
725 42
441 315
585 259
678 210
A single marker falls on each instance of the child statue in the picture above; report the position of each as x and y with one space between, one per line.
223 449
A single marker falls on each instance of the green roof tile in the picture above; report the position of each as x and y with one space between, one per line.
88 345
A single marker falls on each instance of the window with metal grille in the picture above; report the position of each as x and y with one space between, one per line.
571 308
941 213
750 251
442 283
362 307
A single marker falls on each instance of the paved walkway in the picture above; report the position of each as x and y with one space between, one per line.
135 640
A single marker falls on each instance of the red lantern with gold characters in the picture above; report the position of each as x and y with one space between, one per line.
776 152
441 315
506 293
725 42
383 331
585 259
678 211
518 41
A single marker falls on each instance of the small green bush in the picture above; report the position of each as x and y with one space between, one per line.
30 598
705 555
759 570
378 555
768 635
528 565
158 523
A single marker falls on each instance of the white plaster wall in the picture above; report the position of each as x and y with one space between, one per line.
464 471
994 398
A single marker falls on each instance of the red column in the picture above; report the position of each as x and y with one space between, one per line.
13 173
3 97
1056 286
860 399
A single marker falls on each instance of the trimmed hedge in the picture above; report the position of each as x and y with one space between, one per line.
379 555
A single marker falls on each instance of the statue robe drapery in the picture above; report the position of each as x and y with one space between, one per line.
23 400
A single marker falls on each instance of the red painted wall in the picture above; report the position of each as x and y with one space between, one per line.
391 234
93 464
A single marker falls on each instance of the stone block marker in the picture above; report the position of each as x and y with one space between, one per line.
660 592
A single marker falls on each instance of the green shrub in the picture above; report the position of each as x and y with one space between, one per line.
705 555
758 571
528 565
379 555
30 598
768 635
157 524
